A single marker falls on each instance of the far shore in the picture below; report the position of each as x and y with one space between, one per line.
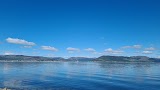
4 89
75 62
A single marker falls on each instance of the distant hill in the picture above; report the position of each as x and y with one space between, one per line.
28 58
80 59
102 58
127 59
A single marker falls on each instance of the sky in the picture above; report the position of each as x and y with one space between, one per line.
83 28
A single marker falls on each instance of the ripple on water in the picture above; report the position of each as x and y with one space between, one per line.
80 76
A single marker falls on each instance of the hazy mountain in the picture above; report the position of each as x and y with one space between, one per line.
130 59
102 58
28 58
80 59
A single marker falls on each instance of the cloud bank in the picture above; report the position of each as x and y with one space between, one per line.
134 47
20 41
90 50
8 53
72 50
49 48
147 52
150 49
111 51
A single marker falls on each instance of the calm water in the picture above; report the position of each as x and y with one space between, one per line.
80 76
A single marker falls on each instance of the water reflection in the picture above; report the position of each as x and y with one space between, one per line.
80 75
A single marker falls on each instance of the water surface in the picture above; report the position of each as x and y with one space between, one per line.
79 76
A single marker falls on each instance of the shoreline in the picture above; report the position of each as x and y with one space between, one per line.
78 61
4 88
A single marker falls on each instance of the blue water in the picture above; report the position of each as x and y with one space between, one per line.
79 76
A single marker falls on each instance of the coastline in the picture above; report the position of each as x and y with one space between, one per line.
80 61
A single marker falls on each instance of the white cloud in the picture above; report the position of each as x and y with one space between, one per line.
93 51
150 49
49 48
126 47
147 52
137 46
8 53
111 51
19 41
108 50
134 47
72 50
90 50
97 53
27 46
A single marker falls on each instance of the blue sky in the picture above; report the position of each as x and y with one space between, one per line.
88 28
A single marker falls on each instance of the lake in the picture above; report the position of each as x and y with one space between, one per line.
79 76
